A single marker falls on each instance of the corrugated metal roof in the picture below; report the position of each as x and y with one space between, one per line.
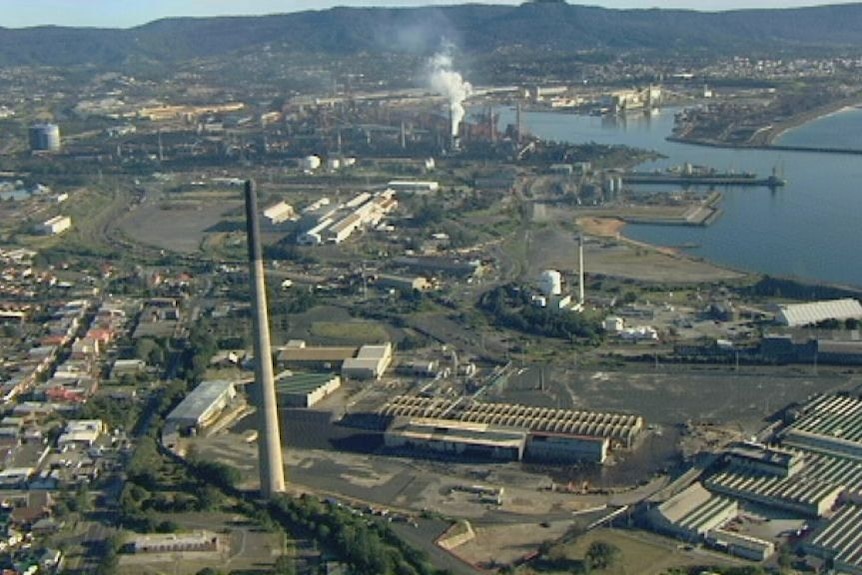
843 536
199 400
814 312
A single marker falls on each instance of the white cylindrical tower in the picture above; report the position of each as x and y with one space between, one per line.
551 282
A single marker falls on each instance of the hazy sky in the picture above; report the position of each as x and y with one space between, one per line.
126 13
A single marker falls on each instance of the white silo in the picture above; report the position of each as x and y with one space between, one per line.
551 282
333 164
310 163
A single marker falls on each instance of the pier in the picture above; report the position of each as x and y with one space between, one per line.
750 180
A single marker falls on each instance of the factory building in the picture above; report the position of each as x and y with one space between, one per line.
370 363
692 513
829 424
54 226
620 429
840 541
763 459
796 315
740 545
366 362
456 438
307 389
561 448
44 137
363 211
807 494
200 407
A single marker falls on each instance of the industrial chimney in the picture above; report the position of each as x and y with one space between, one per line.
581 270
269 437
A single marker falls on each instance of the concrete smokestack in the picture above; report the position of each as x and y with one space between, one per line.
269 437
581 270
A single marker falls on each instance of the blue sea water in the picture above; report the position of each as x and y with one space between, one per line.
809 229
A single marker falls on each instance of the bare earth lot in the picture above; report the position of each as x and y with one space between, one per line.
558 249
179 227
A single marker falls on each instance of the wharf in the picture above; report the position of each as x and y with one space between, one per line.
702 214
705 180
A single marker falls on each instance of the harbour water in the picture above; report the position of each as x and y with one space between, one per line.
809 229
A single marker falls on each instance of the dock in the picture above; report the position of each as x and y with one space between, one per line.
699 215
750 180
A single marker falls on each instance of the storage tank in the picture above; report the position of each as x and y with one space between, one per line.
310 163
333 164
44 137
551 282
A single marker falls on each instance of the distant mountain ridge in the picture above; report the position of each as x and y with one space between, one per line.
475 28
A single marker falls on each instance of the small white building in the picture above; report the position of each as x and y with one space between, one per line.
54 226
278 213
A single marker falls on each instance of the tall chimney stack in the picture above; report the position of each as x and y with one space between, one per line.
581 270
269 437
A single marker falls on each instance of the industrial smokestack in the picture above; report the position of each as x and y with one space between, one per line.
450 84
581 271
269 437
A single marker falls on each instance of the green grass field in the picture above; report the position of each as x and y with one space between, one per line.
352 332
641 553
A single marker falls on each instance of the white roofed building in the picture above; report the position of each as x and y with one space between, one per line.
795 315
369 363
278 213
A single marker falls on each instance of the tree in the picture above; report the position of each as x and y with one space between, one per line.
601 555
284 565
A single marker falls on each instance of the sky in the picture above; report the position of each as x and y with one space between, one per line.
128 13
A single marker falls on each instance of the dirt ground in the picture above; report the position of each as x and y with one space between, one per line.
179 228
554 248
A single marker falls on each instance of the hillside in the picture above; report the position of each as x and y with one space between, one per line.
478 29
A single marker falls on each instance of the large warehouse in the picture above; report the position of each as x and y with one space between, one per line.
366 362
457 438
200 407
807 495
692 513
829 424
306 389
801 314
841 541
621 429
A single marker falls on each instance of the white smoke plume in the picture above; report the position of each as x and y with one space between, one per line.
450 84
